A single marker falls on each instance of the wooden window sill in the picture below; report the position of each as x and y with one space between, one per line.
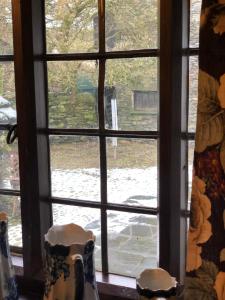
115 286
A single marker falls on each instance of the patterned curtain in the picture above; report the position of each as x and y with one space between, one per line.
205 266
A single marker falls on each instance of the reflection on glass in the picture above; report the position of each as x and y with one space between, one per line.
193 93
131 24
132 242
88 218
132 171
191 146
72 94
131 94
7 93
9 164
195 9
71 26
75 167
11 205
6 40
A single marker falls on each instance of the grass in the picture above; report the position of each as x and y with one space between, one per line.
85 154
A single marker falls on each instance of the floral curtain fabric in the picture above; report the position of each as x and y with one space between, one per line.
205 264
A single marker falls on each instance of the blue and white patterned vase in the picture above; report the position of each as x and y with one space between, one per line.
8 289
156 284
70 272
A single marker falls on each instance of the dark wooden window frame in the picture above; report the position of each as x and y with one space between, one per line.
30 61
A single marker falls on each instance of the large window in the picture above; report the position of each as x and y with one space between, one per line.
107 160
106 105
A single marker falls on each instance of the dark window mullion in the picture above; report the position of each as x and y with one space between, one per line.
28 32
171 188
101 26
104 233
103 161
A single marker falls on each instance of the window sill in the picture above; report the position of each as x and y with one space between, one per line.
109 286
117 286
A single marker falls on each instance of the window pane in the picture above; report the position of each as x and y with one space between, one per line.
132 171
7 94
193 92
71 25
191 146
6 40
88 218
75 167
195 22
11 205
131 94
9 164
73 94
133 243
131 24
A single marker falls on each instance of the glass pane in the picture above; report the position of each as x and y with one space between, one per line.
75 167
9 164
72 94
6 39
191 146
88 218
132 171
7 94
193 92
131 24
11 205
132 94
195 22
133 243
71 26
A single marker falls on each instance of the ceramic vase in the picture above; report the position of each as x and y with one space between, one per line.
8 289
70 271
156 284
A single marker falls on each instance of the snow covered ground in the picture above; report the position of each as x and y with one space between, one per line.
125 186
132 238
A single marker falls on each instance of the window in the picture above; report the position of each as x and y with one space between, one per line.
145 100
87 153
97 168
9 163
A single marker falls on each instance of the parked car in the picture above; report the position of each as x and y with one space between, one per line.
7 113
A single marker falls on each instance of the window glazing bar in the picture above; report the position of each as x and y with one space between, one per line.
108 206
99 55
6 58
105 133
101 113
9 192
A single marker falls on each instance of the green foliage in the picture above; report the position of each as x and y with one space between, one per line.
6 41
201 287
130 24
76 112
134 23
68 25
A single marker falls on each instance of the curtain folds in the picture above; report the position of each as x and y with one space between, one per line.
205 266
